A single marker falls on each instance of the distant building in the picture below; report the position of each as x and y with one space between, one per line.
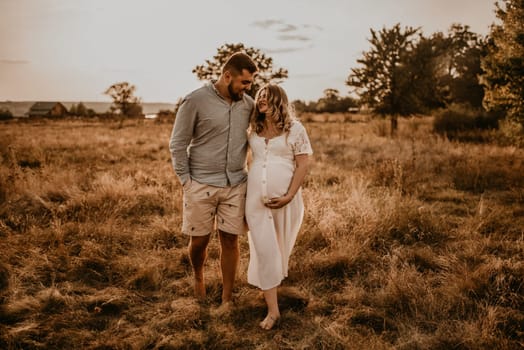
47 109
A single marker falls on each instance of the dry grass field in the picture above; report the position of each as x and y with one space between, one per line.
412 242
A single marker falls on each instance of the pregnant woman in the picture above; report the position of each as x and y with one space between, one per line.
274 208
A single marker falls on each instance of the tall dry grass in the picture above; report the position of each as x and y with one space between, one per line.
413 242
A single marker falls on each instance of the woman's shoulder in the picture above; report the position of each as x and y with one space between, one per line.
296 126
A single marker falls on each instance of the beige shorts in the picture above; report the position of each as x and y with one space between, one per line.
207 208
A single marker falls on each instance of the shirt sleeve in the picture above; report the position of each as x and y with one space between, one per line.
181 138
299 139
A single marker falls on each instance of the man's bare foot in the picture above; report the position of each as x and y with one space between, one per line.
200 290
223 310
270 321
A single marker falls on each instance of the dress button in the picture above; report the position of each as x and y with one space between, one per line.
270 217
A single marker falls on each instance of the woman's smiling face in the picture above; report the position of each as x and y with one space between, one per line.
262 101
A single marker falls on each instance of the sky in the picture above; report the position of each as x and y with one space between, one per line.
73 50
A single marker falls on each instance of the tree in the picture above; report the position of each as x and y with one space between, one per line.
124 101
81 110
442 70
421 74
461 59
332 102
72 110
300 106
380 82
331 94
5 114
504 63
212 68
328 103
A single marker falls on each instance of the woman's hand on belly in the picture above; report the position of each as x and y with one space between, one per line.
278 202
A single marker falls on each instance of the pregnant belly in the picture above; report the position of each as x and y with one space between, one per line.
272 181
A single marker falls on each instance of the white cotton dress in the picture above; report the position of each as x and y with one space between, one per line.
272 232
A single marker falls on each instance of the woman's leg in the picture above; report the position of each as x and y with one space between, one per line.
273 313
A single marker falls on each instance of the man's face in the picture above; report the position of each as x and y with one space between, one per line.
239 84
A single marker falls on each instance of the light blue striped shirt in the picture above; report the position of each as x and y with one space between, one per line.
209 138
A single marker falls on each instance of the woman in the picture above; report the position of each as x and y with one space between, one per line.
274 209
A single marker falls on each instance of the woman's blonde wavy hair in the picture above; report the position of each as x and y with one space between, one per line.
278 109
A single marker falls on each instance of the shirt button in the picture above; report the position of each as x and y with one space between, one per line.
270 217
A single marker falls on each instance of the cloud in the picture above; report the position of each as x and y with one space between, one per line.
287 49
11 61
296 37
287 28
276 24
268 23
314 26
289 31
282 26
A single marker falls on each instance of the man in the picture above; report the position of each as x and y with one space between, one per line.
208 147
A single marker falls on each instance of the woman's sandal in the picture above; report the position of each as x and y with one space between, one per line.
269 322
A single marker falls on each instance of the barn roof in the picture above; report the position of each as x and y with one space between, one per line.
42 108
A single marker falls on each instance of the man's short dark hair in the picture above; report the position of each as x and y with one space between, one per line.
238 62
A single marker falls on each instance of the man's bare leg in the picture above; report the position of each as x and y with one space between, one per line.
197 255
229 257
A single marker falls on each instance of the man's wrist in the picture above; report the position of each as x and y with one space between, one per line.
184 179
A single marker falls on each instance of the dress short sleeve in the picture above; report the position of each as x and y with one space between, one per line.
299 140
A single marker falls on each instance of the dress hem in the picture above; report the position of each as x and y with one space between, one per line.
278 284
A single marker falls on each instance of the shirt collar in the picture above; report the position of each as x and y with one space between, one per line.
211 84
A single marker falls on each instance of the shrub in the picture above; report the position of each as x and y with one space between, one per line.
510 133
5 114
460 118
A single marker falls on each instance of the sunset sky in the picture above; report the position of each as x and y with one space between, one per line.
72 50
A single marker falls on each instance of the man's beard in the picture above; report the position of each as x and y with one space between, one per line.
234 96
